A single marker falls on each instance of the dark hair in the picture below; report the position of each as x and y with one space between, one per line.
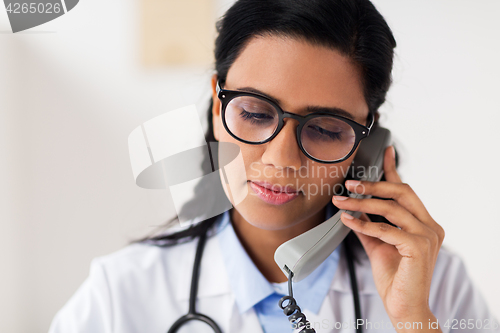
353 27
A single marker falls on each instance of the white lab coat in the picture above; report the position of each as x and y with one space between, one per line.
143 288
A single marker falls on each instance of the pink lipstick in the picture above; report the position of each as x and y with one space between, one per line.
274 194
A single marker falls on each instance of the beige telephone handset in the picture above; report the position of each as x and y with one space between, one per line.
304 253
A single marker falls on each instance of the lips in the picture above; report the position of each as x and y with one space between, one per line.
275 187
274 194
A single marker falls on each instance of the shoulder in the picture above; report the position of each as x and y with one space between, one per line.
453 294
143 263
447 263
140 256
450 275
134 287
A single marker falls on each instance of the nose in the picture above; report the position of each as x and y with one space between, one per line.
283 151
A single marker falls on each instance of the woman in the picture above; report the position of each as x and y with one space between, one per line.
325 57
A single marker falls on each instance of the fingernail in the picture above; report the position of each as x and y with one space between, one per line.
393 152
352 183
339 198
347 216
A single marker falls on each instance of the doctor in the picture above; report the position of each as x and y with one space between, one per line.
328 64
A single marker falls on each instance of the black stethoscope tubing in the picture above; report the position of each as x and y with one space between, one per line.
193 315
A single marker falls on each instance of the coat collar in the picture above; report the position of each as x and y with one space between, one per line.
214 278
250 287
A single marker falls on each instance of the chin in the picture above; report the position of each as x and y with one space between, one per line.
267 216
266 221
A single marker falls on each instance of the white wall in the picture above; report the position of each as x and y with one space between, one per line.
444 110
72 90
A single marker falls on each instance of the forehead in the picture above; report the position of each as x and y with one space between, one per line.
299 75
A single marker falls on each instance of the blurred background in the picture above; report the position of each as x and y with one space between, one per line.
73 89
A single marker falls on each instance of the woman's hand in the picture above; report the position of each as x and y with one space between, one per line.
403 258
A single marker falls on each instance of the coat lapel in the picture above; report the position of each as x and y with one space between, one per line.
215 297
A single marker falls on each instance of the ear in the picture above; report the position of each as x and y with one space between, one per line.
216 107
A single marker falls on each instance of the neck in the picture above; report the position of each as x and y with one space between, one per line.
260 244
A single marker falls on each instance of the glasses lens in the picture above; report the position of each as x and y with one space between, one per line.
327 139
251 119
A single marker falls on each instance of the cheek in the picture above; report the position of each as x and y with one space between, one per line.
250 153
236 174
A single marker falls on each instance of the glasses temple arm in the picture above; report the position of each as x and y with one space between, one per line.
372 121
217 87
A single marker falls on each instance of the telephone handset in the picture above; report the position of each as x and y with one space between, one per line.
304 253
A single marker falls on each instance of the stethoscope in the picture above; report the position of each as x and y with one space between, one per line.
192 315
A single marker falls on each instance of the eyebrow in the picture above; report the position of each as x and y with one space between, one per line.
309 109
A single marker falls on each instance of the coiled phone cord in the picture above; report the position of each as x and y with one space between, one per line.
292 310
295 315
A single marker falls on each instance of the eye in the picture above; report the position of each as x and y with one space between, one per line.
255 117
319 133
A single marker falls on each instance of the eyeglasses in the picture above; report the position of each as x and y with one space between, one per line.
322 136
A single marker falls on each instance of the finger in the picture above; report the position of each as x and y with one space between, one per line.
390 209
391 174
382 231
364 217
369 243
402 193
408 245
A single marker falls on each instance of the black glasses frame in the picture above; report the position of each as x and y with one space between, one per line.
361 131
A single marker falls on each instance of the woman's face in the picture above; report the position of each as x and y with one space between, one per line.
298 75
